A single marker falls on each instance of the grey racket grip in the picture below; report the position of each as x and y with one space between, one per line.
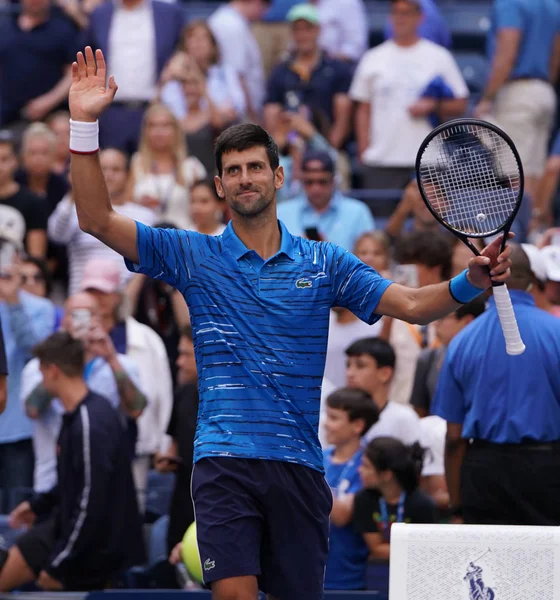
514 343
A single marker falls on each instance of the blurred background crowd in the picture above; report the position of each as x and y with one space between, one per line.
348 89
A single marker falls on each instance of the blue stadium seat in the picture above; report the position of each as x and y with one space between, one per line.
469 23
158 495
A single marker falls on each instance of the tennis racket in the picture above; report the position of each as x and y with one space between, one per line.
471 179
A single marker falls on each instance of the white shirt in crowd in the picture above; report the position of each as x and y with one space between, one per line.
223 87
391 78
344 28
432 438
398 421
63 228
340 337
132 52
47 427
239 49
174 199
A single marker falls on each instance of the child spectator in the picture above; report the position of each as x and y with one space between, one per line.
350 413
207 209
390 473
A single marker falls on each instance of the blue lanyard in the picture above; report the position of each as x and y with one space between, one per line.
89 368
385 522
342 483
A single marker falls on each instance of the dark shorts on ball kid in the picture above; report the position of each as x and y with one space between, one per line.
264 518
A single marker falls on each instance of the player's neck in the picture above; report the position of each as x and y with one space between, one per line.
72 393
345 451
261 234
391 491
8 188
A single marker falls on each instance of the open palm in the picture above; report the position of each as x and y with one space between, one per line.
89 93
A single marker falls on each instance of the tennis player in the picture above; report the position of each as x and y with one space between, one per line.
259 301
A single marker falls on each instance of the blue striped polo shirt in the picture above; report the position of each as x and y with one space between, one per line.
260 334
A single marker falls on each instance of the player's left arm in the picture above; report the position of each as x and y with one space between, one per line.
429 303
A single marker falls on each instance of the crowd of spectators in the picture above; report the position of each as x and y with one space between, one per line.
348 121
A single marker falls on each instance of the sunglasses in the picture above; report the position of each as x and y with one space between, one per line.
322 181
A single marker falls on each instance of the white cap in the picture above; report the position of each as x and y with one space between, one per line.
551 255
536 260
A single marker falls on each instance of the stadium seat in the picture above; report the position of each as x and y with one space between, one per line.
158 495
469 23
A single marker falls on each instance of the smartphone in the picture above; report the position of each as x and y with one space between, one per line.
81 322
292 102
312 233
405 275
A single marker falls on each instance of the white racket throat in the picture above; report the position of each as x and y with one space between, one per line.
514 343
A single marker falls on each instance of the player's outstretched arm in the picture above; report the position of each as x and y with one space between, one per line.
89 96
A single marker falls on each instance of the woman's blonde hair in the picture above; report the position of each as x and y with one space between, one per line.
191 28
179 150
38 130
377 236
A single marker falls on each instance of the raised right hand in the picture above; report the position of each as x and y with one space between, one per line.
22 515
89 95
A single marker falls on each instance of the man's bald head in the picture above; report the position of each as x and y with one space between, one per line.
521 274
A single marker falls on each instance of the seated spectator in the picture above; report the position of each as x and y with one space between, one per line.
350 413
433 26
345 327
59 123
207 209
161 172
199 53
26 320
36 279
178 457
102 278
113 375
398 86
137 40
430 359
322 212
63 227
422 260
369 367
86 530
239 49
38 158
295 135
390 473
344 28
37 47
540 277
23 215
310 79
552 288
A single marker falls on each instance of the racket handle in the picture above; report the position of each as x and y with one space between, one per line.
514 343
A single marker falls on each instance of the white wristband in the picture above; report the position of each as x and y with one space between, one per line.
84 137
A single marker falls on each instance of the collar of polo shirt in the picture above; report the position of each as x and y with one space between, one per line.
239 250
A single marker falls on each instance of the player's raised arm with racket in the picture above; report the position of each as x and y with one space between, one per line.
90 94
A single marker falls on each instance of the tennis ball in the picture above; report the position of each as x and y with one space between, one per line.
190 555
481 217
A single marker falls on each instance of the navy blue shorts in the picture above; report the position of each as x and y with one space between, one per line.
264 518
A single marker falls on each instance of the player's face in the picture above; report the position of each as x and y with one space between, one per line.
305 36
248 183
363 373
113 164
186 362
339 428
372 253
38 156
8 163
368 473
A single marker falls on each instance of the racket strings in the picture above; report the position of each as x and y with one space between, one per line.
471 178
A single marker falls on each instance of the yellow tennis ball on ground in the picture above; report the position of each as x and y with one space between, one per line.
190 555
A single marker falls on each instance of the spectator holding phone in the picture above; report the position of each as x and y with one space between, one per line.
322 212
112 375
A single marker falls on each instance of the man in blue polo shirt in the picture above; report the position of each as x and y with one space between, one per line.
503 414
322 208
259 301
524 47
311 80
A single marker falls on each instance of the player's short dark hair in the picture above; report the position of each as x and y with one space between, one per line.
357 404
473 308
186 331
64 351
390 454
375 347
431 249
238 138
